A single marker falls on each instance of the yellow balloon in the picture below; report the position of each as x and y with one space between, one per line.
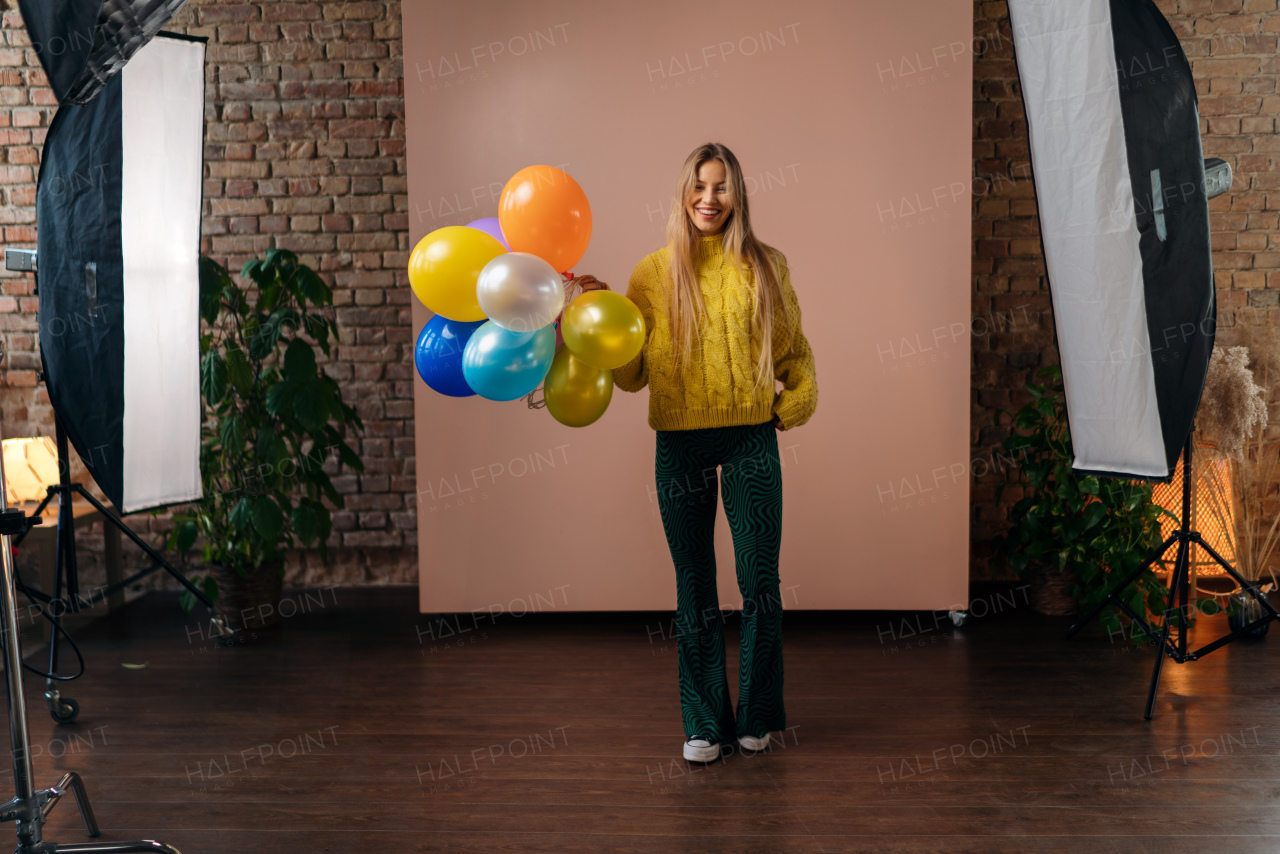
445 265
576 393
603 329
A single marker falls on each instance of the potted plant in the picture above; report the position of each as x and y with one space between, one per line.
1078 534
271 419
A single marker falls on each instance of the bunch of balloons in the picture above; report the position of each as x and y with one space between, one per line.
501 327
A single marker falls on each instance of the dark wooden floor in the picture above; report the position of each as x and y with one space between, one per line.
353 729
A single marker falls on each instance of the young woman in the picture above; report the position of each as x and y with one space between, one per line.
710 297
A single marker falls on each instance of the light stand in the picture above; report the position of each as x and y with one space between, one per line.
1179 590
30 807
66 571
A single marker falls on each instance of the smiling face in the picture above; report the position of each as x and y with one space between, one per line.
708 204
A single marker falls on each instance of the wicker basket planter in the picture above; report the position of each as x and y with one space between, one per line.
1049 591
250 602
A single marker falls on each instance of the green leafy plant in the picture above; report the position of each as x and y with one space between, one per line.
271 418
1099 529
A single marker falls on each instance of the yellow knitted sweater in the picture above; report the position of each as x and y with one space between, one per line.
715 386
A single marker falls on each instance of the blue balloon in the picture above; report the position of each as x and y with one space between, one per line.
438 354
504 365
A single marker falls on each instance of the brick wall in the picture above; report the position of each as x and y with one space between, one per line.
305 150
1232 48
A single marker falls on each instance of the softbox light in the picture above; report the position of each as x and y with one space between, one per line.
118 207
1114 133
83 43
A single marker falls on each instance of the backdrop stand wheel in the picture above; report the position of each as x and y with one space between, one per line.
63 709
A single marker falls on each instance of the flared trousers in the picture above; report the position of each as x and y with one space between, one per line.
750 477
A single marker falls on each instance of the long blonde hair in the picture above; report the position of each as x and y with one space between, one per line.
685 306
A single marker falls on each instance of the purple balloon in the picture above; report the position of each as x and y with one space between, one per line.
490 226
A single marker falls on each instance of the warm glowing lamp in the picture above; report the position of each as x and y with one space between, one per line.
30 468
1215 520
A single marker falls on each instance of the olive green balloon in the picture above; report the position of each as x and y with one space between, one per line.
576 393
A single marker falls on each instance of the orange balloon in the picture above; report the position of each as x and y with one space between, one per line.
544 212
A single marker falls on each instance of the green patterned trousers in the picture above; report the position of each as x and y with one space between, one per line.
751 478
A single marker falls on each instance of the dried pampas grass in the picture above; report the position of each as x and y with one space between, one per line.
1232 421
1233 406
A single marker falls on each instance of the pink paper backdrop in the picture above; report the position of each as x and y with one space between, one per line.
853 123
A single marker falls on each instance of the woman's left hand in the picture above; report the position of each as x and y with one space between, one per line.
777 422
588 283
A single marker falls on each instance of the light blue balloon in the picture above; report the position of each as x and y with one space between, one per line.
504 365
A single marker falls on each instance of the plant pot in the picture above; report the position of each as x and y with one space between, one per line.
1247 611
1049 591
252 601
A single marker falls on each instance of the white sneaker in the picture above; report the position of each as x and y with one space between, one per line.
750 742
699 749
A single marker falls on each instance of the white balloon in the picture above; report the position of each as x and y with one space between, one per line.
520 292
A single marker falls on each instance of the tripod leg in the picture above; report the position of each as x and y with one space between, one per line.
1179 579
64 546
70 566
142 845
59 563
63 711
1249 587
1152 558
71 782
1155 678
1184 616
110 518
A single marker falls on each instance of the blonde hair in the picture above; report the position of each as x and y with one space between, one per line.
685 306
